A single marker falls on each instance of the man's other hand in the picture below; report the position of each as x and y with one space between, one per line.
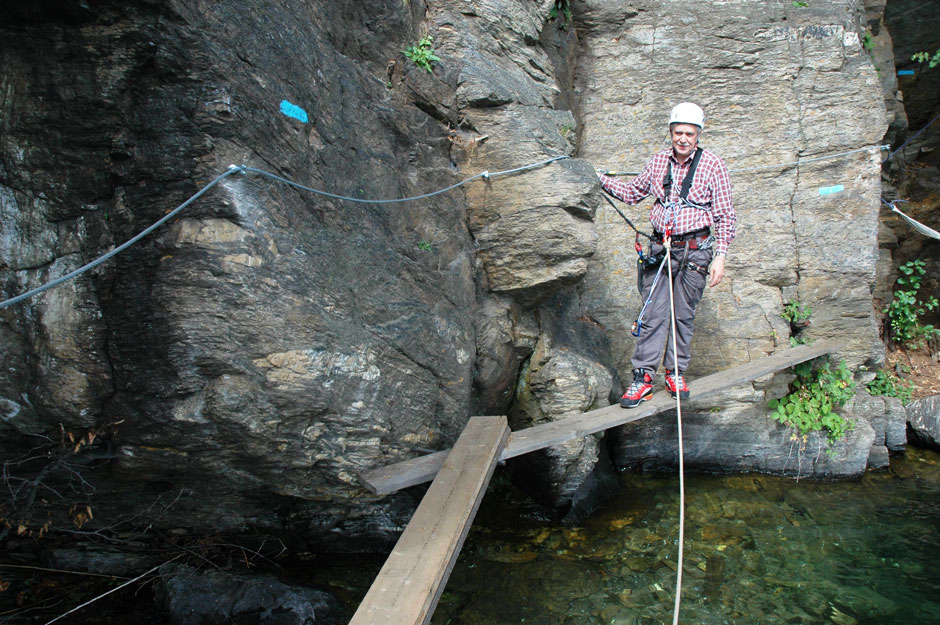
716 271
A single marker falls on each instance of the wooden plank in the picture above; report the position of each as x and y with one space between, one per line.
418 470
408 587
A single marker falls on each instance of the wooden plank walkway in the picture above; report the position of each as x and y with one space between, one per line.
408 587
418 470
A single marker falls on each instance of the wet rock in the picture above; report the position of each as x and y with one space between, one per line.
923 420
208 597
887 418
736 442
878 457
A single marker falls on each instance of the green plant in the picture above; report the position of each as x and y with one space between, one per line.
796 313
905 310
425 246
868 42
422 53
926 57
800 3
814 394
887 383
561 8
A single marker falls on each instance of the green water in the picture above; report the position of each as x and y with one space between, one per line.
758 550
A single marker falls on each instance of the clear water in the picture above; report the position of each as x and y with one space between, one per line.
759 551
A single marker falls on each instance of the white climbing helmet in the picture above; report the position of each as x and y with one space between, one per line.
687 113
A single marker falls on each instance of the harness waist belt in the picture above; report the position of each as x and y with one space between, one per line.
680 240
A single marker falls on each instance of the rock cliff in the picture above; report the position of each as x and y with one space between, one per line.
242 364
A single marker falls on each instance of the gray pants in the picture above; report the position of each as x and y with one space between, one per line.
688 286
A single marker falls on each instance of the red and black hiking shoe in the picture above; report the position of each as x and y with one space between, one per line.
676 384
639 391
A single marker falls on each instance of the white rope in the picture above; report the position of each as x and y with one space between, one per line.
675 372
921 228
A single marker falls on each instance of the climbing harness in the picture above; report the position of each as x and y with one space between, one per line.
700 239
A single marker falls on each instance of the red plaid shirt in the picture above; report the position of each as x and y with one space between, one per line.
711 191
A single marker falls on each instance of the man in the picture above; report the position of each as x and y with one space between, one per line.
700 221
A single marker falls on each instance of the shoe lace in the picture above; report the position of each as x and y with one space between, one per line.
677 379
639 379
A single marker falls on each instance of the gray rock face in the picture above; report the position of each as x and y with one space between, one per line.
772 84
769 83
270 343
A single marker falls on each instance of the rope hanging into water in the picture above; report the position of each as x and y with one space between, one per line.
675 371
486 175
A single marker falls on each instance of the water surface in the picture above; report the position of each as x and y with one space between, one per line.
759 551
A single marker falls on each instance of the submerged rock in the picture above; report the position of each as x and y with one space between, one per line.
215 597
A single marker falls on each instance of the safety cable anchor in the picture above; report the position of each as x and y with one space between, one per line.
239 168
485 175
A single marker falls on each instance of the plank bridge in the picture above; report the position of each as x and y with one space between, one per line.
408 586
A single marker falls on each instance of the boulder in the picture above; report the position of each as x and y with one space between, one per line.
923 421
564 375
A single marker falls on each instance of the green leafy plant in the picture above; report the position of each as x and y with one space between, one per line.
425 246
925 57
797 315
800 3
561 8
422 53
868 42
814 395
887 383
905 310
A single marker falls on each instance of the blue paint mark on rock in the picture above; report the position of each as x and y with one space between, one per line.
830 190
292 110
905 72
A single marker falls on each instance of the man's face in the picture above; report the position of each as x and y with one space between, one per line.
684 139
